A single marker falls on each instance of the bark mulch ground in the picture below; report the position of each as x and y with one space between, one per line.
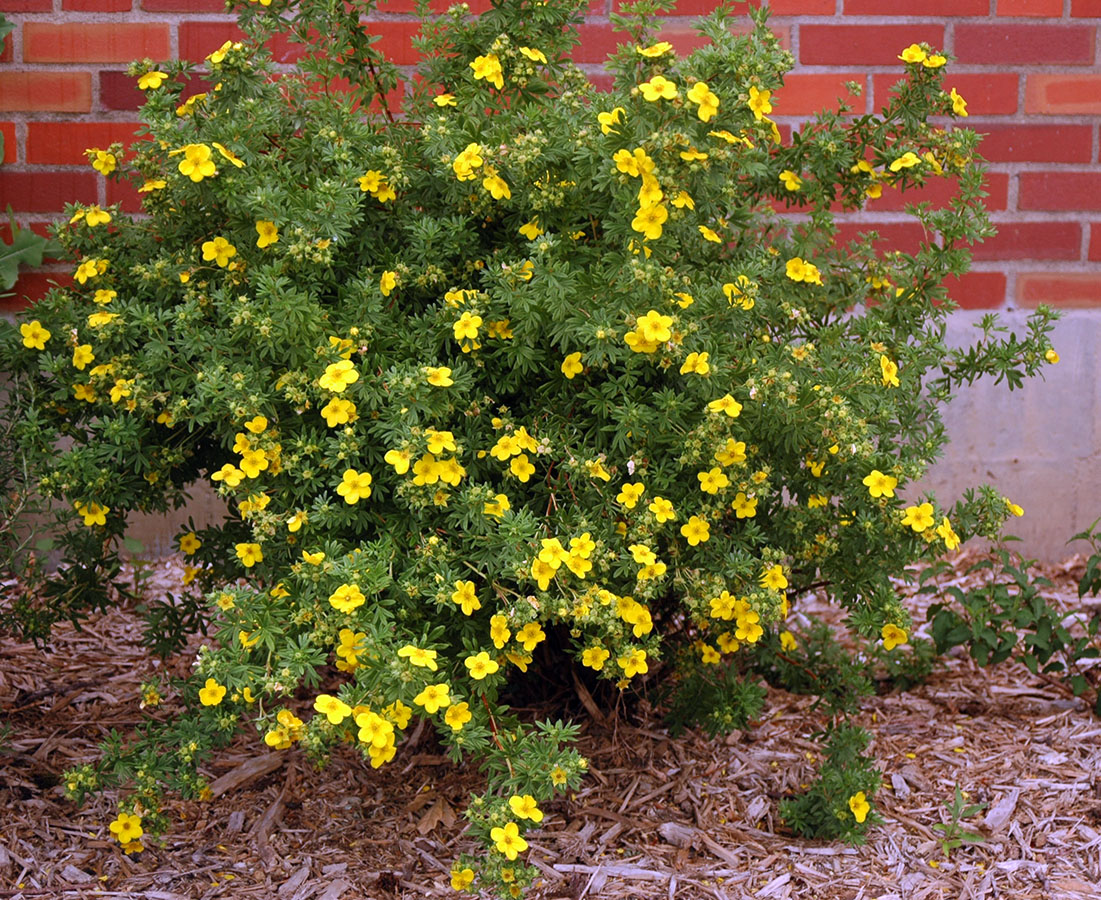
659 818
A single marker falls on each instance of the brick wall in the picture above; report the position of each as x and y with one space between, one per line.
1028 69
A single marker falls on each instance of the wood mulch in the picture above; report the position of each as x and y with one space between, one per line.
659 818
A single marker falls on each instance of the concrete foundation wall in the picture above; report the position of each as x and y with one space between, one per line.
1040 445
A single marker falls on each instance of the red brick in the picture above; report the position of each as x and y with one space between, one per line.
1036 143
97 5
925 8
32 286
1090 9
7 54
798 7
117 90
803 94
184 6
987 94
1037 8
439 6
126 194
197 40
1063 94
684 39
1059 288
1060 190
602 81
94 42
64 143
597 43
7 129
1095 241
977 290
939 192
15 6
870 45
1032 240
46 191
904 236
45 91
397 40
1024 44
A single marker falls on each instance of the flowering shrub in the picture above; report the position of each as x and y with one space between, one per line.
531 376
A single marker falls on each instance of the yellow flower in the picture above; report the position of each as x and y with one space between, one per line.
196 163
333 708
228 155
773 578
434 697
629 494
759 103
230 474
466 328
220 54
710 234
608 120
480 665
151 80
908 160
442 100
533 54
744 507
531 230
346 598
465 597
889 370
104 296
35 337
959 105
726 404
219 251
354 486
633 663
338 412
103 161
267 234
387 282
153 184
696 363
99 319
945 530
338 376
314 559
438 376
462 879
457 716
707 102
658 88
523 806
648 221
572 366
737 292
859 806
918 517
696 531
126 828
249 554
530 636
488 67
594 658
211 693
912 54
787 641
893 636
295 522
466 162
934 61
522 468
712 481
799 270
654 50
93 513
1013 508
508 840
190 543
880 485
790 180
663 511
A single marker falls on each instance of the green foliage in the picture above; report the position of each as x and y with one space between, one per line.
952 832
1008 616
833 806
718 699
1090 583
527 357
26 249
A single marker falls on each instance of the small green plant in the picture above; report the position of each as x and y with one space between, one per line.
838 804
1008 616
952 832
1090 583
